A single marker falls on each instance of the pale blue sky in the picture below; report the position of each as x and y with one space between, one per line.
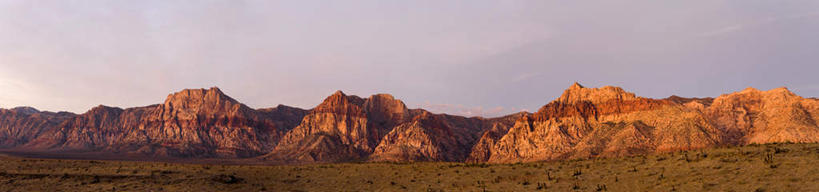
463 57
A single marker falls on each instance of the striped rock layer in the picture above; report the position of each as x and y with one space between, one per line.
581 123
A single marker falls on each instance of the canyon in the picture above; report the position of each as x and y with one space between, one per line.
581 123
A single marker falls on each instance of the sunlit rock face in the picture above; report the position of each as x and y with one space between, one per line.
190 123
377 128
754 116
581 123
607 121
20 125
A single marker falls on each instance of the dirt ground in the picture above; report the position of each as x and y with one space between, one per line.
772 167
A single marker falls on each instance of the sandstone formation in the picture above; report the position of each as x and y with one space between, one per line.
341 128
378 128
431 137
494 130
581 123
754 116
607 121
191 123
20 125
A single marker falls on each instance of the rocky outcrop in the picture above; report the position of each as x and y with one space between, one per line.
20 125
191 123
684 100
425 138
284 117
581 123
494 130
430 137
378 128
607 121
577 93
754 116
349 122
587 122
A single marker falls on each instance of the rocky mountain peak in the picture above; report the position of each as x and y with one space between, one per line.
339 97
213 93
583 122
782 90
577 93
576 86
779 90
749 90
103 108
685 100
25 110
382 96
339 102
779 94
385 103
282 107
201 101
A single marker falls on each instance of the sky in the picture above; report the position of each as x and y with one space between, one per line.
471 58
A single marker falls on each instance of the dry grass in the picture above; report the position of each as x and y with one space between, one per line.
773 167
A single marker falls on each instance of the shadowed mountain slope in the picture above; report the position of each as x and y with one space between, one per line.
582 122
377 128
190 123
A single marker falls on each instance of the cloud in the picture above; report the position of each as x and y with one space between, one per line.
458 109
12 93
766 21
723 30
73 56
524 76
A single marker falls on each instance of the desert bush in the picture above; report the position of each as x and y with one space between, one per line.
601 187
541 186
778 150
95 180
577 172
497 179
226 179
769 158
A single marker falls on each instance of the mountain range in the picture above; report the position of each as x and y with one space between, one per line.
581 123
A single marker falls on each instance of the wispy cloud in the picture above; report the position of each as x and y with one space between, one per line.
12 92
722 30
465 110
524 76
741 26
61 55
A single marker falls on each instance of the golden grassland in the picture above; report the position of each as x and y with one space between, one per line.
771 167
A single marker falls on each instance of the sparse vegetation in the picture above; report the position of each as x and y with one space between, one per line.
601 188
771 167
541 186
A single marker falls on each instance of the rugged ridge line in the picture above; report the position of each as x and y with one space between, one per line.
581 123
190 123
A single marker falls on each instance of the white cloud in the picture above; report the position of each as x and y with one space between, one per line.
741 26
462 110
